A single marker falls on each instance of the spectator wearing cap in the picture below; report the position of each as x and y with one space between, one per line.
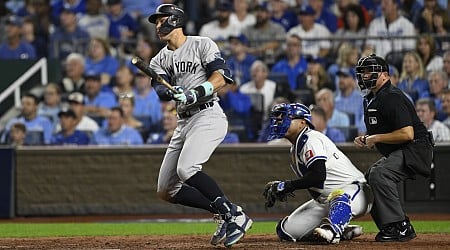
221 29
349 98
100 61
123 26
69 135
309 29
240 60
68 37
116 133
94 21
59 6
147 104
319 120
73 79
14 47
281 14
83 122
390 23
294 63
32 121
265 36
241 16
97 103
323 15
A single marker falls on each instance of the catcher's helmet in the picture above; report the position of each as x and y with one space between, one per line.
373 65
282 115
176 17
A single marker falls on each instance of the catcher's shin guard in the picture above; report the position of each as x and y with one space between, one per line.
340 212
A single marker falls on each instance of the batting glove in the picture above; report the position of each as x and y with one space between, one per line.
187 97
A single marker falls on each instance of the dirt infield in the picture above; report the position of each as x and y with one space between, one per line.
423 241
252 241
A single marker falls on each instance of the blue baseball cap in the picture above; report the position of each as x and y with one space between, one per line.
346 72
241 38
307 10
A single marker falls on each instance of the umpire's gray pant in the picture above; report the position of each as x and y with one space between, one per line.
383 177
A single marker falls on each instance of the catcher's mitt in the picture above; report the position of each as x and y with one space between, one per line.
273 191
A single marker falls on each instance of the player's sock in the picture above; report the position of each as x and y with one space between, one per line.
206 185
191 197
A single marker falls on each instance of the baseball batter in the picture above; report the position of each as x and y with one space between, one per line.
338 188
195 67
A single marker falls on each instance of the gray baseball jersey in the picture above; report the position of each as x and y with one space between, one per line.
196 136
187 65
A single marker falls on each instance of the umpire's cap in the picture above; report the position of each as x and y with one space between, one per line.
166 10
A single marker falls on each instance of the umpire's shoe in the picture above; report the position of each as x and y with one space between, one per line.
397 231
236 227
221 230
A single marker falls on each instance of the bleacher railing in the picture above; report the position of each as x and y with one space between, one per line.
15 86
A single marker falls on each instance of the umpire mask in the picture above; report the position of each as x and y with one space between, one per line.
372 65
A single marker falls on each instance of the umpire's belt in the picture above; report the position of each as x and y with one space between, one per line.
195 110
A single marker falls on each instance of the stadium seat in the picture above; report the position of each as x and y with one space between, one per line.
34 138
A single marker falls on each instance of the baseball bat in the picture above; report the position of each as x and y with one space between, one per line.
144 67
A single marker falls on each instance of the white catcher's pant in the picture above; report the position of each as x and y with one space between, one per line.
192 144
308 216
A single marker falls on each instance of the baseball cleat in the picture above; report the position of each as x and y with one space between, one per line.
352 231
221 231
327 235
237 228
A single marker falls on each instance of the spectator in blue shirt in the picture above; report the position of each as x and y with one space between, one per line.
97 103
100 61
117 133
240 60
32 121
68 37
69 135
169 124
319 120
58 7
281 14
412 78
122 26
294 63
335 118
14 47
323 15
349 98
147 104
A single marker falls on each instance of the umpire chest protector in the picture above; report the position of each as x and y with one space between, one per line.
390 110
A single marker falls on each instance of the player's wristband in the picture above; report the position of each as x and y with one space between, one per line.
205 89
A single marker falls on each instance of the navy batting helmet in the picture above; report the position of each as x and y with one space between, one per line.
176 17
373 65
282 115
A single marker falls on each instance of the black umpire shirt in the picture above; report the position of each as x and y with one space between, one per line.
390 110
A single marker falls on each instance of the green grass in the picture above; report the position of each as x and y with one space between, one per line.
111 229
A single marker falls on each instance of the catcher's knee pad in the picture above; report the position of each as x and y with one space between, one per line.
282 234
340 212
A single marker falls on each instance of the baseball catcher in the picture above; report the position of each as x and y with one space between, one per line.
338 189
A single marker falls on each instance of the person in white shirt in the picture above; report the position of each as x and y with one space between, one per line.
84 122
391 23
426 111
240 16
221 28
260 84
308 29
94 21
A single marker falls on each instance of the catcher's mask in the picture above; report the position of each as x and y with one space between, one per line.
282 115
372 65
176 17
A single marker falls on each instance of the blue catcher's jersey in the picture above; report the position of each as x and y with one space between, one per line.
312 145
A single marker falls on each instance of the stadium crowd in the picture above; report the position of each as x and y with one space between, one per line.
277 50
